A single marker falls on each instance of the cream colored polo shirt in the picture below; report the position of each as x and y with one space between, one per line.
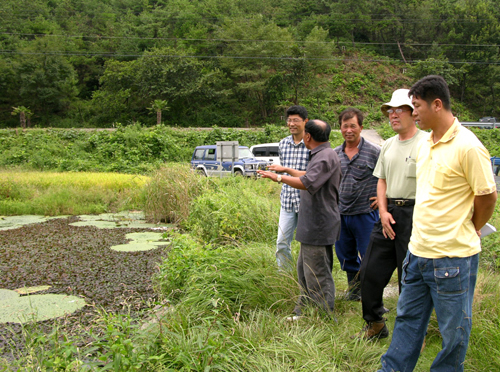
450 173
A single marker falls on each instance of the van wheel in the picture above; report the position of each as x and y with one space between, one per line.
238 173
201 172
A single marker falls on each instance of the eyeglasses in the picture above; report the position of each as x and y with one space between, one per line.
397 111
295 121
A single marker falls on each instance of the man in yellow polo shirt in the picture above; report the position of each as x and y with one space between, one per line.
456 196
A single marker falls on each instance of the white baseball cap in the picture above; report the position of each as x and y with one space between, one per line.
399 98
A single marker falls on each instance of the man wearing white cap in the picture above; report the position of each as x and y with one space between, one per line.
396 173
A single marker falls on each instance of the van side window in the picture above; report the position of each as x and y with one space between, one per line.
259 151
210 154
198 154
274 151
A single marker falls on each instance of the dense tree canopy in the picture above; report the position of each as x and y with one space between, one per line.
238 63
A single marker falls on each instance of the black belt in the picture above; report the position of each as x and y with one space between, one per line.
401 202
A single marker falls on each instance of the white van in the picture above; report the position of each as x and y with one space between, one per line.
267 151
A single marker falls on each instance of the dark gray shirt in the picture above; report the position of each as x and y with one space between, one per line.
319 217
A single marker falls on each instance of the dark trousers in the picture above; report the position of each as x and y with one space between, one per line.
314 269
382 257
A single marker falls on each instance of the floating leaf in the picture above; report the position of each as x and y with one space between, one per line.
134 247
14 222
130 219
38 307
6 294
145 236
141 241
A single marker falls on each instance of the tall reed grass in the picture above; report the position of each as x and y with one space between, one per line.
170 192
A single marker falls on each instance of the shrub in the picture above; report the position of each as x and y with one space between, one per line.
490 139
170 193
236 209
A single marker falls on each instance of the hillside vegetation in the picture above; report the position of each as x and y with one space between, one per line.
136 149
128 149
234 63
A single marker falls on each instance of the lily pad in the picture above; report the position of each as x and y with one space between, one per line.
145 236
28 290
38 307
134 247
14 222
7 294
141 241
130 219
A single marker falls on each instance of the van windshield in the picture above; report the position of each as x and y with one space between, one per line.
245 153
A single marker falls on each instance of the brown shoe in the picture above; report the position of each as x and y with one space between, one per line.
373 330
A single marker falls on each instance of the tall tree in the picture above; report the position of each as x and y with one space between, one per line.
251 55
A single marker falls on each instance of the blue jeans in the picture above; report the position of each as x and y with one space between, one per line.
355 234
447 285
286 228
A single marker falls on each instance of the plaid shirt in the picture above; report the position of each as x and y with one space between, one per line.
295 156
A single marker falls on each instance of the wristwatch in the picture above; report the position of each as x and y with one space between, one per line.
278 178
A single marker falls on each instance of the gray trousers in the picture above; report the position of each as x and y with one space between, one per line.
314 269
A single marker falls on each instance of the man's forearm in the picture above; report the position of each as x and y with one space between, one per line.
381 195
295 172
484 207
290 171
294 182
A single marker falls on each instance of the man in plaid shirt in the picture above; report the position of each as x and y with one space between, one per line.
293 155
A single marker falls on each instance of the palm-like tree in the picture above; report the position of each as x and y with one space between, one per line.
158 105
24 113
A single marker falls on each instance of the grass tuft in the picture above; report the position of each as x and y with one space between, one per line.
170 192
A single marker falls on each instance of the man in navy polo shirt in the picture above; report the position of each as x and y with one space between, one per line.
358 197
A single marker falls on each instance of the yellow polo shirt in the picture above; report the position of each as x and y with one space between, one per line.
450 173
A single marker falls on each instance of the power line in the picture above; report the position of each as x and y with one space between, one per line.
387 16
246 40
103 54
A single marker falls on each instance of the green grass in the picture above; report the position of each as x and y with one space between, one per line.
224 303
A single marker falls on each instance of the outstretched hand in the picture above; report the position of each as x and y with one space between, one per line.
266 174
276 168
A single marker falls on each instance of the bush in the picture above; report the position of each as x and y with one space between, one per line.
490 139
385 131
236 209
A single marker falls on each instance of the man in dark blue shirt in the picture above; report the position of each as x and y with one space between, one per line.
358 197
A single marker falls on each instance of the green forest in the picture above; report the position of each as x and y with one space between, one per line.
237 63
